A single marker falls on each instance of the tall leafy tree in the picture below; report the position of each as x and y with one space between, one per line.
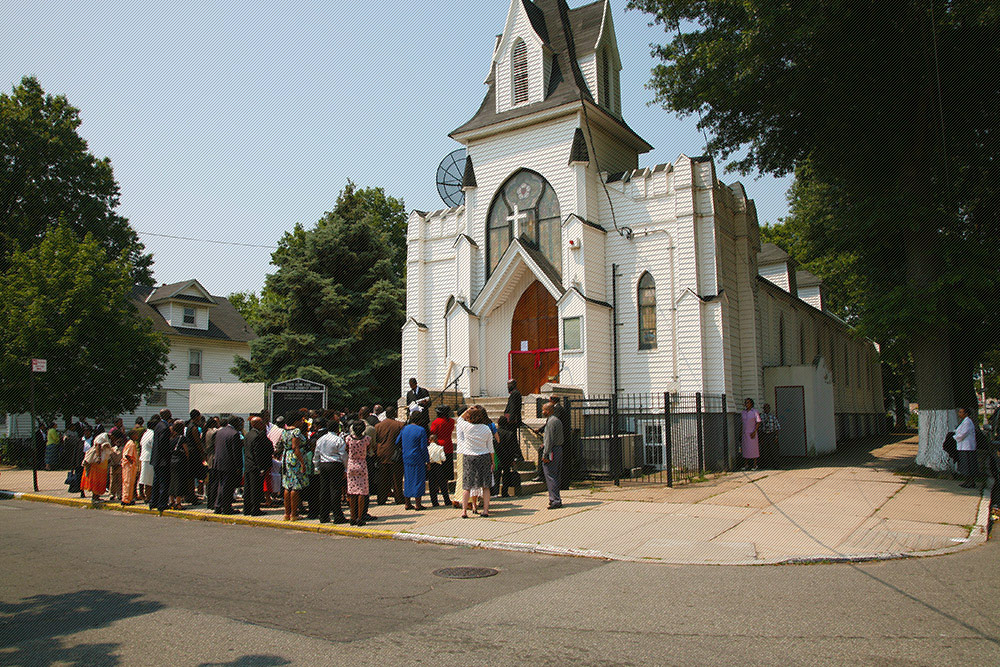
66 300
892 110
334 309
48 175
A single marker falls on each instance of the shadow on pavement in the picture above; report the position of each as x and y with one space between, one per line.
250 661
30 630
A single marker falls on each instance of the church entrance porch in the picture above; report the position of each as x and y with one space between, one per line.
533 359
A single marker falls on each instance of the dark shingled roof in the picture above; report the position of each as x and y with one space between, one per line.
537 19
567 83
578 152
771 254
806 279
168 291
224 323
468 176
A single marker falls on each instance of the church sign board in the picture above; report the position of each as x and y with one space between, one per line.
294 394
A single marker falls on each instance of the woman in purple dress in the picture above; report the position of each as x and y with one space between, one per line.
751 444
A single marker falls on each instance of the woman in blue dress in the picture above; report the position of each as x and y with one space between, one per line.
416 460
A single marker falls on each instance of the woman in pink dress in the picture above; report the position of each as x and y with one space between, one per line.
751 444
357 472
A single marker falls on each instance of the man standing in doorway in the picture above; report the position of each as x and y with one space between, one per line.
552 453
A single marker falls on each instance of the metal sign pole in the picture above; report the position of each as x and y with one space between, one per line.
31 441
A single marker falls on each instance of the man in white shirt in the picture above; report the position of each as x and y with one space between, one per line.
330 458
965 443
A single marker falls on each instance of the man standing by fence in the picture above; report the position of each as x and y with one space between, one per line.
552 454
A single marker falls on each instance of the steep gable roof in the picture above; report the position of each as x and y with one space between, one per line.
173 291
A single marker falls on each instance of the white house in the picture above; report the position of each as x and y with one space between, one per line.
562 234
205 333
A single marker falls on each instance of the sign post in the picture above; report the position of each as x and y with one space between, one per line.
294 394
37 366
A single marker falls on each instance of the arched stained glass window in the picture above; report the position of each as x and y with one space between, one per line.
525 205
519 73
647 312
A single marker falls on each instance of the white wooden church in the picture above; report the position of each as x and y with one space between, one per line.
562 234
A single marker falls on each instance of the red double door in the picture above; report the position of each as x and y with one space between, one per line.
534 340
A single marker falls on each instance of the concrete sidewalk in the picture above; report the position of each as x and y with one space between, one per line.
862 503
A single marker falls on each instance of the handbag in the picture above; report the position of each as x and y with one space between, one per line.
72 477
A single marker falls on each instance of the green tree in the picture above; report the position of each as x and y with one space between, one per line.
67 301
48 176
248 305
889 112
334 309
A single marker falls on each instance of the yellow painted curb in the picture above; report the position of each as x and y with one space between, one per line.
231 519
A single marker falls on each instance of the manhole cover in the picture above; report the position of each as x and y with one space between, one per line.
466 572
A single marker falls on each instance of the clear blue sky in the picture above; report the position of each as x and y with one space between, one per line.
236 120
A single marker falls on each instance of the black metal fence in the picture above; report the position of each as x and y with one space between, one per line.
651 438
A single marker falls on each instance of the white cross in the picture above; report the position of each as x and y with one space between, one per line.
516 219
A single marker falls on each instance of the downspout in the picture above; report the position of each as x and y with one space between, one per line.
614 329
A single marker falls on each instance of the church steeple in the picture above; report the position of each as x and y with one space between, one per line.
551 56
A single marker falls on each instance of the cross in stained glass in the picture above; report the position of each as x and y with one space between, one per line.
516 218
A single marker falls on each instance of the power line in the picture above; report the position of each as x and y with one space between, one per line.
188 238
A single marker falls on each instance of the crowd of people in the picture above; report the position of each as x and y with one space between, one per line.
310 462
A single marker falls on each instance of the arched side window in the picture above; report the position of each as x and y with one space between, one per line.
519 73
647 312
528 204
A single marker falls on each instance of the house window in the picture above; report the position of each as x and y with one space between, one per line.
157 397
519 73
189 316
647 312
572 333
194 363
527 203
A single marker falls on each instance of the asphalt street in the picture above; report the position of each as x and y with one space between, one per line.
84 587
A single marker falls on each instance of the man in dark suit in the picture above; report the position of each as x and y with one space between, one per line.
159 499
422 398
514 404
257 451
228 463
561 412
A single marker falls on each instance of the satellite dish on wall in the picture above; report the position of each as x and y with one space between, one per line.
449 178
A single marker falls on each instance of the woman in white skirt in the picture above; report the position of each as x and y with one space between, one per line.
145 452
475 446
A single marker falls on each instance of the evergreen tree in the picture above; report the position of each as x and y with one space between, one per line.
67 301
334 309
